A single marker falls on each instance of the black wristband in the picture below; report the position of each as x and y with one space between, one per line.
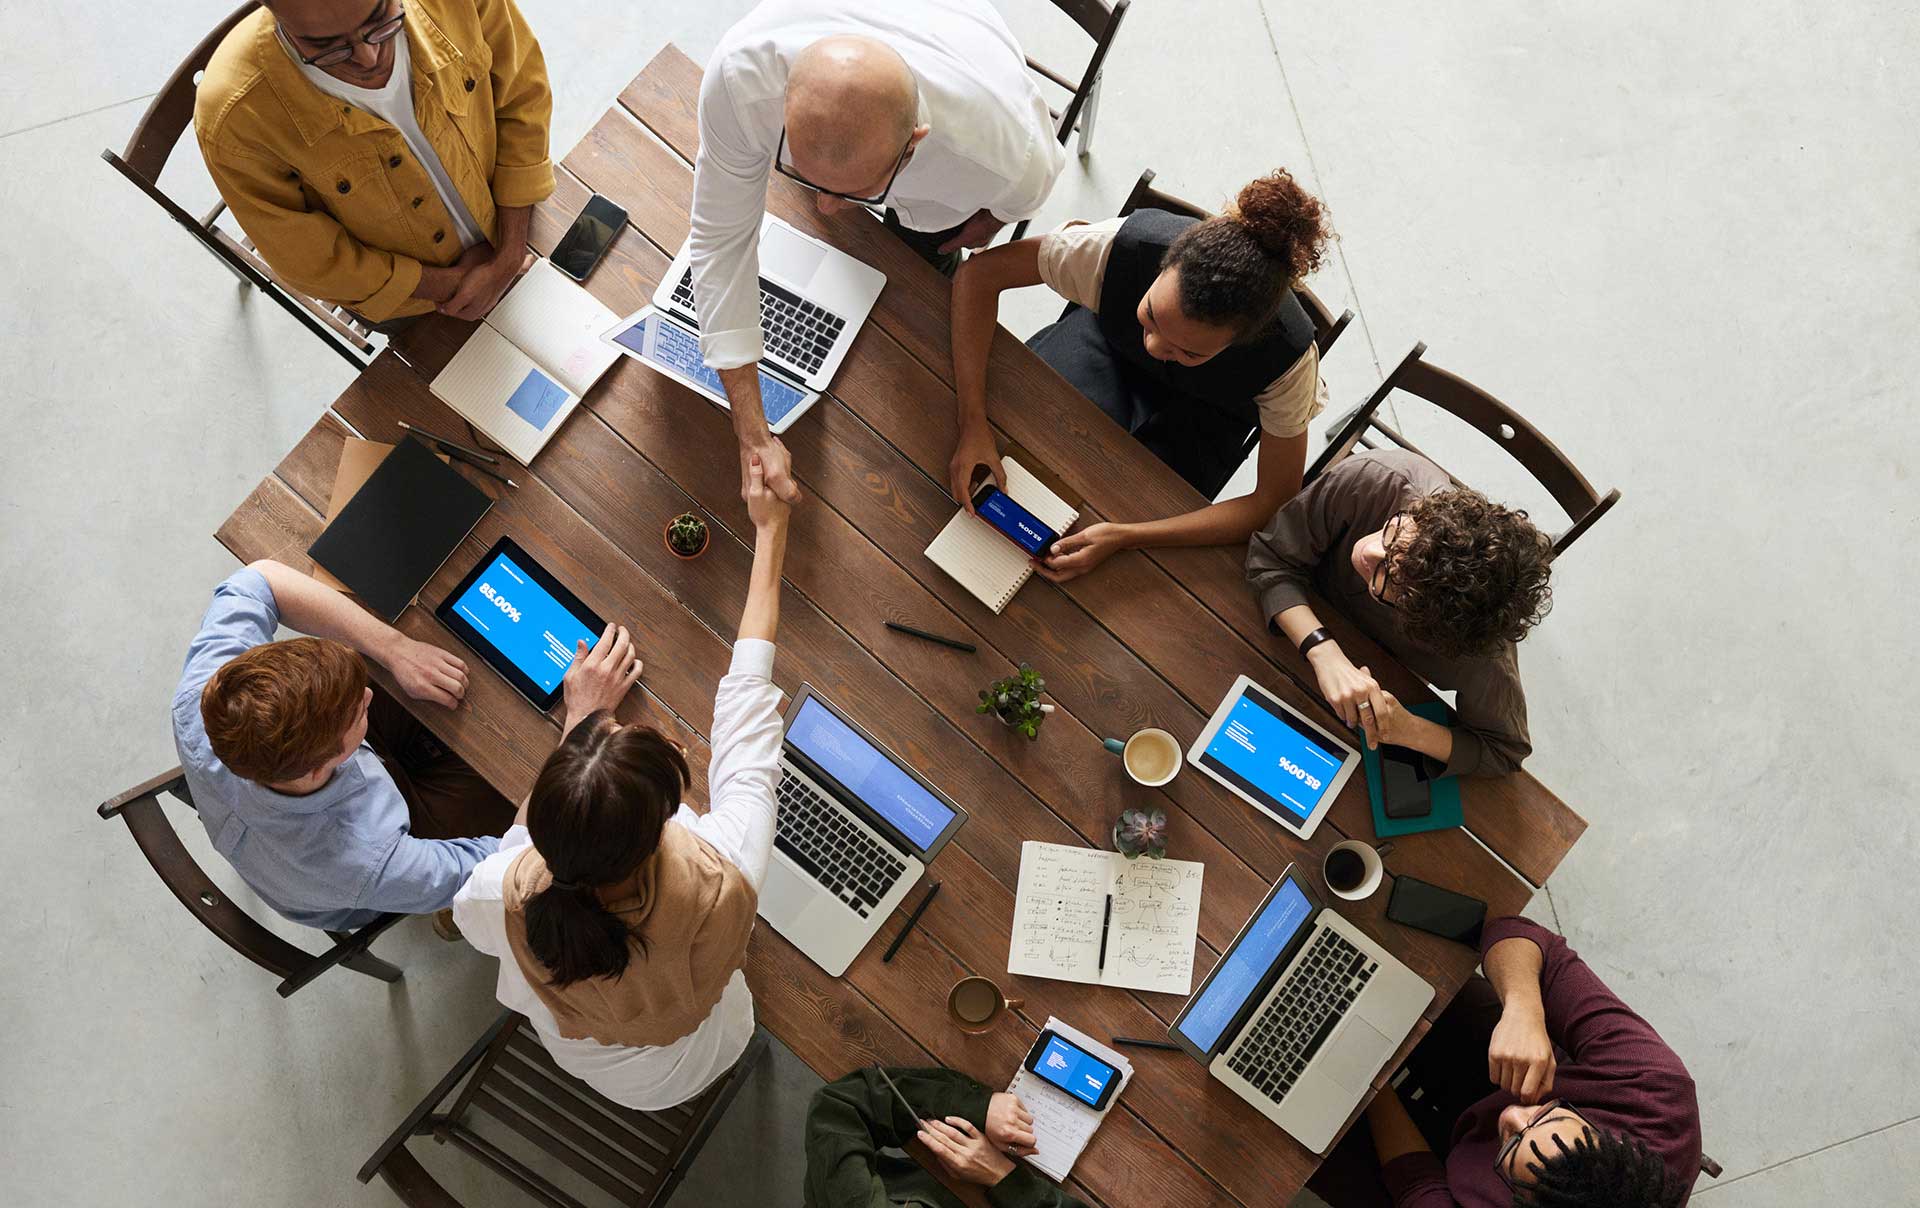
1314 639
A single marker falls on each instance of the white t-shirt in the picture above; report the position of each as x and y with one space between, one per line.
739 825
393 105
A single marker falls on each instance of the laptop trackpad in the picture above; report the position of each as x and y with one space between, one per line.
1354 1054
790 260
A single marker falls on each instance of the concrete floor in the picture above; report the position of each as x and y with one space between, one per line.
1679 238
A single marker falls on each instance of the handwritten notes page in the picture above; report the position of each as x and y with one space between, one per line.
1062 1125
1063 899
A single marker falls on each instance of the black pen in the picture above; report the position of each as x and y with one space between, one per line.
451 446
1138 1043
1106 920
897 627
477 468
911 920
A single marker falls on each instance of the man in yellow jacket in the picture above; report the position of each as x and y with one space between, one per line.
385 156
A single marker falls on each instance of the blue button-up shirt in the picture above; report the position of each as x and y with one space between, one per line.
334 858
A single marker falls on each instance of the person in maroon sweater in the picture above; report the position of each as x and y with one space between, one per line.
1578 1103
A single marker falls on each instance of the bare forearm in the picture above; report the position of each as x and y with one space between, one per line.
1225 523
1513 968
761 616
438 284
313 608
975 314
516 223
743 396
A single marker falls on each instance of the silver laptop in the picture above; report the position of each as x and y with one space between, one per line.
856 829
1301 1013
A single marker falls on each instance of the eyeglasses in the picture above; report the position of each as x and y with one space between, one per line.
1383 573
1513 1143
373 35
780 166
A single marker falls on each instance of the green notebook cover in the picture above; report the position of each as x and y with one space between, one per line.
1444 791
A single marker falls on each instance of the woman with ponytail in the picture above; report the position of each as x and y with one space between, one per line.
1186 332
620 917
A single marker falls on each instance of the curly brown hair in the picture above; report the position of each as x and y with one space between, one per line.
1472 576
1235 268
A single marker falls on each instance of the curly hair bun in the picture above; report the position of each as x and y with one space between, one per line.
1287 222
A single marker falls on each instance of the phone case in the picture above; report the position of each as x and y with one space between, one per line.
1396 913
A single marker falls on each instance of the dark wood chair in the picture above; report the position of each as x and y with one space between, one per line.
139 807
146 155
1101 22
1489 416
637 1157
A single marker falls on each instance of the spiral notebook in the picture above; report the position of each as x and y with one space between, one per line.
1062 1125
975 554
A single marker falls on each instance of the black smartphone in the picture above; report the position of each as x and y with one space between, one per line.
1405 790
1449 915
1014 522
1073 1069
588 238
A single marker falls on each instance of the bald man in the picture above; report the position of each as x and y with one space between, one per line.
922 107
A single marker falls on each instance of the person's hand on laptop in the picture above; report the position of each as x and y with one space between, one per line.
599 678
1077 553
484 284
426 672
973 452
1520 1057
966 1154
1010 1125
977 231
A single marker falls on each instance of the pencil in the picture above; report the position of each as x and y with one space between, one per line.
477 468
1138 1043
922 634
911 920
450 445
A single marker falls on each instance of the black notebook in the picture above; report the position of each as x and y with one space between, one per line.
399 527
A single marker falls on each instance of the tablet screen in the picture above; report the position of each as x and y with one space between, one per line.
1264 752
521 620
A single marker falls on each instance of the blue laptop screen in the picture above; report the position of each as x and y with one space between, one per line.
1245 968
523 622
1263 751
674 348
865 771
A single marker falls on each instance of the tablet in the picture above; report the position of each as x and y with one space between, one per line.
520 621
662 344
1267 753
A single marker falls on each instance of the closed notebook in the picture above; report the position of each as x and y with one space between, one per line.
983 561
523 370
399 527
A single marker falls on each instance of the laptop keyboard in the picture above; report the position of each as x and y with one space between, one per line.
1299 1019
796 330
815 833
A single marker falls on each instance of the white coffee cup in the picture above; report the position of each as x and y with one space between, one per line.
1372 870
1151 749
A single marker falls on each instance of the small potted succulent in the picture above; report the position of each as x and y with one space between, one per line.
686 536
1015 700
1141 833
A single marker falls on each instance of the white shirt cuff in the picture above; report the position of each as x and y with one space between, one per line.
732 349
752 656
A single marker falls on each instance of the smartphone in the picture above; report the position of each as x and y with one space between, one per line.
1015 523
1449 915
1074 1070
1405 790
588 238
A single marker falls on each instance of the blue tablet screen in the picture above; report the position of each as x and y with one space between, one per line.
517 616
1263 751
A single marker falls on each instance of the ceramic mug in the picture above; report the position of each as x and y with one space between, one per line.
975 1004
1338 870
1152 756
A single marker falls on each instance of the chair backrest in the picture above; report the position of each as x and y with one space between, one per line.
1101 22
171 110
637 1157
1487 415
1326 327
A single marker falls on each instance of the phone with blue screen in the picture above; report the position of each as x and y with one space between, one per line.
1013 522
1074 1070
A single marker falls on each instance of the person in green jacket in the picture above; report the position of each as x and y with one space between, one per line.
968 1129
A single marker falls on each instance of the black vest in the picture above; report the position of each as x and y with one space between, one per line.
1229 380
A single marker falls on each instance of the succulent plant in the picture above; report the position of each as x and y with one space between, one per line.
687 534
1141 833
1015 700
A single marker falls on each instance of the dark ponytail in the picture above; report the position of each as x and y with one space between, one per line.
1236 268
595 815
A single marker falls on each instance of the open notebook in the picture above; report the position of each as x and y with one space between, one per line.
1062 1125
523 370
1085 915
983 561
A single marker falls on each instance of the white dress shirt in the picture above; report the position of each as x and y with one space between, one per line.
739 825
991 143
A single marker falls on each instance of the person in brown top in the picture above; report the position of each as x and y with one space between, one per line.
1445 579
1537 1087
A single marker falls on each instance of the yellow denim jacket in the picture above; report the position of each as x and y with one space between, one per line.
330 194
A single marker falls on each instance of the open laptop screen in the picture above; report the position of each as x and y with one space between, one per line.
865 771
1243 974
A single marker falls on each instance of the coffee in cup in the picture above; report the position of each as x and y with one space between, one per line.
1352 869
1152 757
976 1004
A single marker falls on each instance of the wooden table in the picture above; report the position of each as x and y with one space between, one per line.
1151 638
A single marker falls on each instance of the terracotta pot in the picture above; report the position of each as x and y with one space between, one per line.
664 540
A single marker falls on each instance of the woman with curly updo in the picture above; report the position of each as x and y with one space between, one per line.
1186 332
1446 579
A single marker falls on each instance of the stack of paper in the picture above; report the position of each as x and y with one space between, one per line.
1062 1125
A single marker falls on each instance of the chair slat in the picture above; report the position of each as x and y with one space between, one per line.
605 1116
564 1136
658 1132
532 1130
522 1175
